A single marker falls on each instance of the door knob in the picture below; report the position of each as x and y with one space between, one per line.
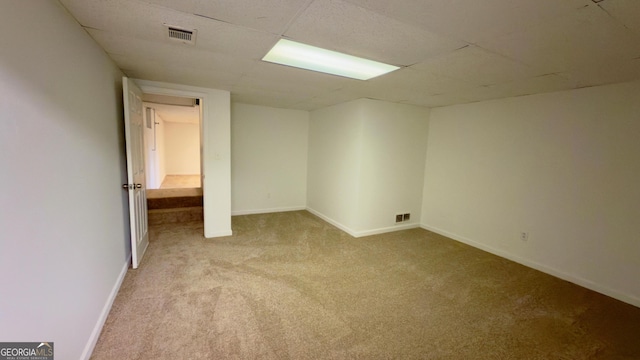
125 186
138 186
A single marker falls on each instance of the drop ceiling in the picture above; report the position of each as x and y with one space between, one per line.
449 51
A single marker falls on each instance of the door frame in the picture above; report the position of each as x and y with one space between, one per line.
200 129
215 156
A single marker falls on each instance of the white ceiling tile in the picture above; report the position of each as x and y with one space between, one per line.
320 101
576 43
340 26
161 71
625 11
435 100
131 18
337 96
104 14
308 106
538 84
291 89
399 86
255 86
398 94
478 66
272 99
472 20
587 36
275 73
185 77
480 93
534 85
144 21
267 15
419 80
608 73
173 56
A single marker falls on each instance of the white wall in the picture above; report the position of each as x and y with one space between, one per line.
161 150
216 162
149 153
64 236
154 151
334 163
268 159
182 148
392 164
562 166
366 164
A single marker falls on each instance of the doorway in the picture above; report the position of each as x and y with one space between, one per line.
173 146
173 154
216 150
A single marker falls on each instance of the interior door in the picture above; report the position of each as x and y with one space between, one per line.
134 139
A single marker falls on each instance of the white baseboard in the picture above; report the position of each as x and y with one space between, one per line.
629 299
387 229
95 334
266 211
218 234
356 233
332 222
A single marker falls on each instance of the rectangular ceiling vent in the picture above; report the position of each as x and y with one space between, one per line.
182 35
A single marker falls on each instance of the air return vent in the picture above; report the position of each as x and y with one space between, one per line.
182 35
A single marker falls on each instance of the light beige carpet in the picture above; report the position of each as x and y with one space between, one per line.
180 181
175 192
290 286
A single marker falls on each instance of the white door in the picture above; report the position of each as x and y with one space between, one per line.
134 138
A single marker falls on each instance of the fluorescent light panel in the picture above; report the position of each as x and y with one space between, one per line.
291 53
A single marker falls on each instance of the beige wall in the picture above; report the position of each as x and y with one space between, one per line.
182 148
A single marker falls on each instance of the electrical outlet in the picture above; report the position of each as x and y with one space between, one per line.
406 217
524 236
399 218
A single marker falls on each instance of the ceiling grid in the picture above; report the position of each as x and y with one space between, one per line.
449 52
